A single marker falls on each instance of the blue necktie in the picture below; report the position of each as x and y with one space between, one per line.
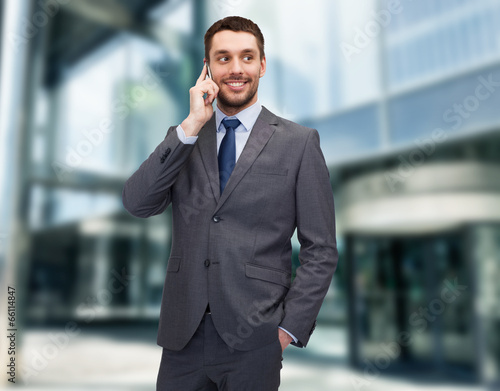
227 152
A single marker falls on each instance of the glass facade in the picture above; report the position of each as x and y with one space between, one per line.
438 38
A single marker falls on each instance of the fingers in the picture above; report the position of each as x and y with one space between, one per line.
202 80
211 90
207 87
203 93
203 75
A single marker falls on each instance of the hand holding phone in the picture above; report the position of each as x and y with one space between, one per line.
201 97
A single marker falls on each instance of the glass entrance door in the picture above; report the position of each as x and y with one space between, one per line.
412 299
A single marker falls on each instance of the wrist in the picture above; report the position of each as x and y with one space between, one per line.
285 335
191 127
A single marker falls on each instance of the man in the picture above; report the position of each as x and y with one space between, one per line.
240 181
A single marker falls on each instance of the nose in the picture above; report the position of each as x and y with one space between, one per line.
236 68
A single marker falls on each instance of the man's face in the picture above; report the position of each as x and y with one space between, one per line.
236 68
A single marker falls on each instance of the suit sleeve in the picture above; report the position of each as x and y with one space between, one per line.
318 254
148 191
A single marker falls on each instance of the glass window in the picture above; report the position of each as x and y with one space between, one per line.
348 134
462 104
87 98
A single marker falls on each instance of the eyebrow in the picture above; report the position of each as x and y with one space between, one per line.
224 51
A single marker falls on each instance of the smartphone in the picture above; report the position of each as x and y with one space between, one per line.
209 71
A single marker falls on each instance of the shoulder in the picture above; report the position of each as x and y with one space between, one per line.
289 128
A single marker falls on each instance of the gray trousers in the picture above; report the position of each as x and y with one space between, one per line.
208 364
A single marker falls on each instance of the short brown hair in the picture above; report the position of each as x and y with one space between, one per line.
234 23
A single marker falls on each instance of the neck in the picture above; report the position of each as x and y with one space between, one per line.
231 111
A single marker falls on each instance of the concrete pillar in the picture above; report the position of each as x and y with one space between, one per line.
20 72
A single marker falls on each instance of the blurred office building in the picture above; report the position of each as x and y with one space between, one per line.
406 98
416 172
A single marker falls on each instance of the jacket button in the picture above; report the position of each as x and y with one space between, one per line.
207 262
216 219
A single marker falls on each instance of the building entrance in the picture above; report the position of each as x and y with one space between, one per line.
411 302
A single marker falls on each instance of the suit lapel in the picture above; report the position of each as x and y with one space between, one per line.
207 142
260 135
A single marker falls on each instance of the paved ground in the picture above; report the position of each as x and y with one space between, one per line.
110 359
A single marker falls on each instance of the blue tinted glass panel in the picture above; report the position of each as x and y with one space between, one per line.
458 105
348 134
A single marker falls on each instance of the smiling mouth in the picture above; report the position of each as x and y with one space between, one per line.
236 84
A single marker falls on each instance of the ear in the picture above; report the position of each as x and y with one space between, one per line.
262 66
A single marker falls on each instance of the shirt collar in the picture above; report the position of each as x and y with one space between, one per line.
247 117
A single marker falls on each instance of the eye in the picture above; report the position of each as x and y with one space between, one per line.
248 58
223 59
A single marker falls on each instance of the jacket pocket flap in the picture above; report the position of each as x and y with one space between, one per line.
264 273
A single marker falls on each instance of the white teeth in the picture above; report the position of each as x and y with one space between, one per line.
235 84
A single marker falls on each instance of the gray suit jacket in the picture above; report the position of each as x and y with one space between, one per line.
233 251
